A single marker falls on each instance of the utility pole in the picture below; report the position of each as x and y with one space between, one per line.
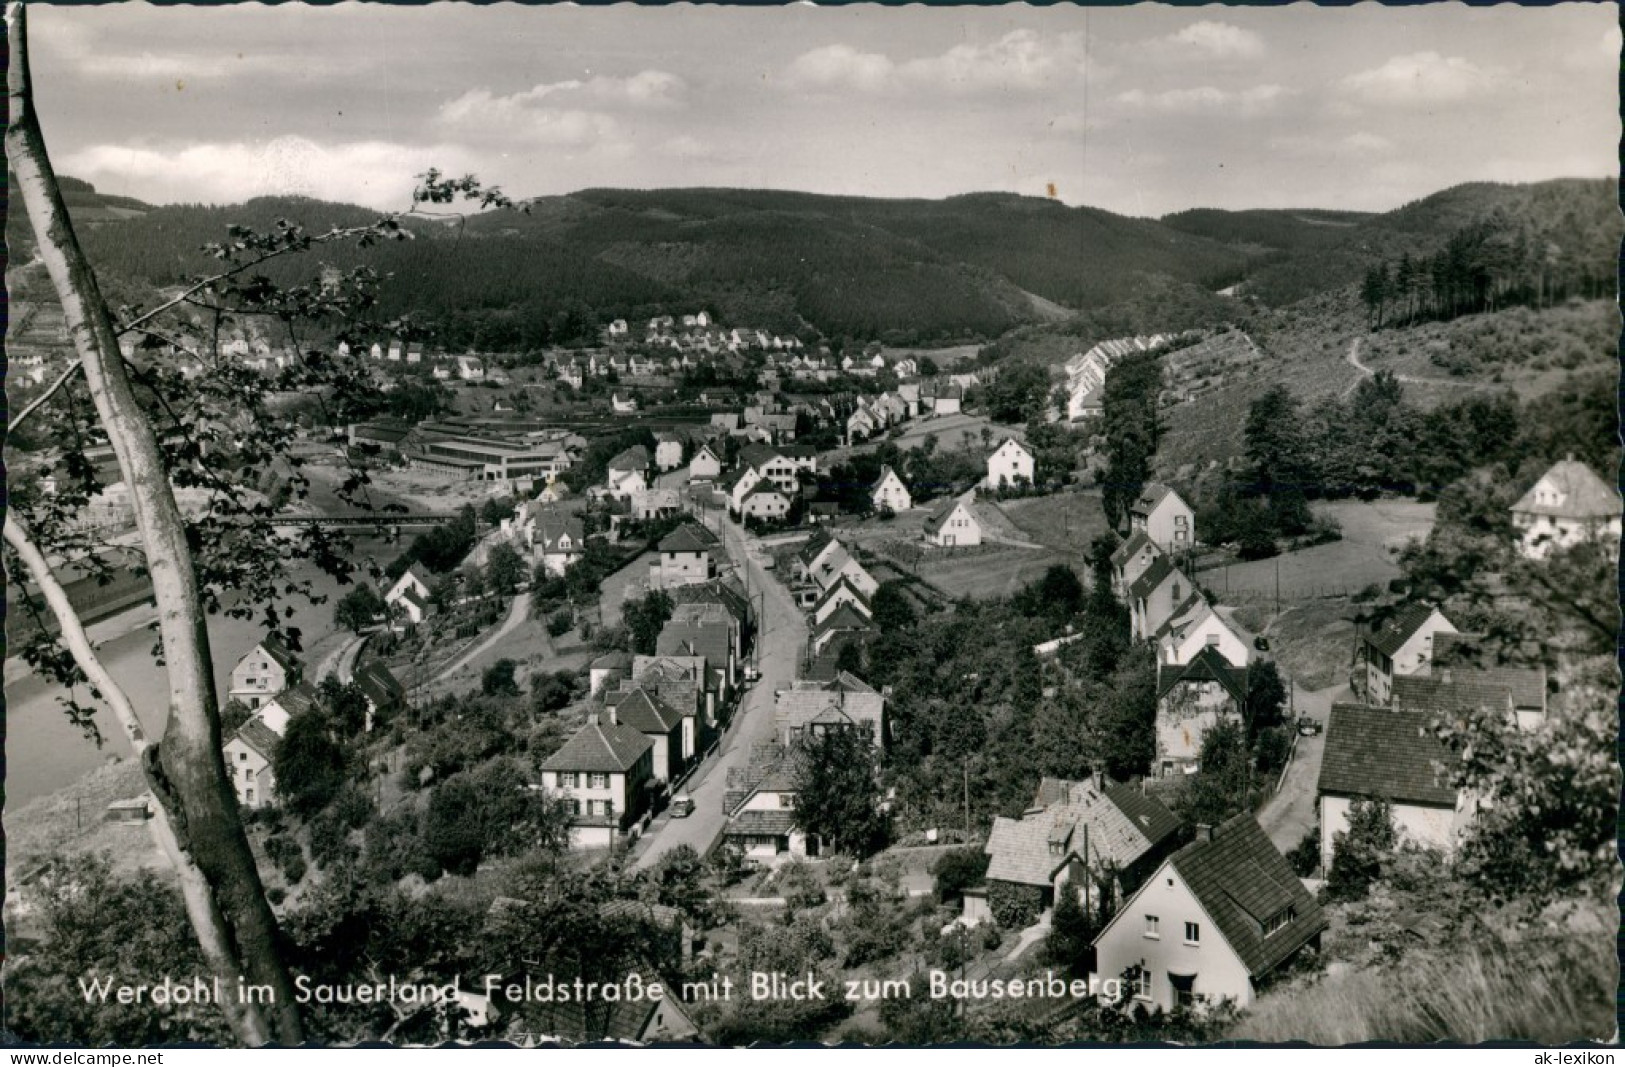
1277 585
965 766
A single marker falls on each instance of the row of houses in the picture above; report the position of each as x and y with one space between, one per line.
269 680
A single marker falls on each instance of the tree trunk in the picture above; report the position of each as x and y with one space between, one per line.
188 775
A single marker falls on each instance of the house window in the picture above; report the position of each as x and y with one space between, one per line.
242 757
575 806
1213 640
600 781
250 796
1193 933
1279 920
1151 925
567 779
1139 980
1184 987
1181 520
609 809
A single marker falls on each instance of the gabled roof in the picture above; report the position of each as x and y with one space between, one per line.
758 455
771 768
295 699
610 661
688 537
1078 816
1191 611
1151 496
258 736
815 544
1585 495
716 591
1463 657
842 618
763 487
1149 815
887 474
843 582
552 526
1391 636
603 748
1208 665
1136 541
380 686
646 713
1154 575
1384 752
1439 696
280 654
1242 881
847 682
635 458
940 513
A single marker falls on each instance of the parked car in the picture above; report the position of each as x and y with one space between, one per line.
682 806
1307 726
752 675
1261 643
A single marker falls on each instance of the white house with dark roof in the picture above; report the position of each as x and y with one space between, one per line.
1214 922
264 671
603 772
1191 700
841 592
1154 596
628 472
607 670
706 464
760 806
703 629
249 754
890 492
1165 517
1195 625
686 556
661 723
1401 645
1570 504
1390 754
1131 559
952 524
847 702
558 541
1095 836
668 452
1009 465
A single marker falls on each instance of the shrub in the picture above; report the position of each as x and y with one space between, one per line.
1014 907
958 870
1305 855
560 623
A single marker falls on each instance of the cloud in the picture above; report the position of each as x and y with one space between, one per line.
1214 40
377 174
649 88
1206 99
1020 61
1420 78
1361 144
478 113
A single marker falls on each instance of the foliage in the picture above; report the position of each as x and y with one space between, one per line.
551 692
560 623
1305 855
891 607
645 617
310 763
504 569
95 925
1266 697
958 870
1014 906
1131 424
1126 734
1359 851
1074 925
358 608
1225 785
440 550
837 787
498 679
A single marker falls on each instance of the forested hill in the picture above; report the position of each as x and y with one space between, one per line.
906 270
1296 254
88 206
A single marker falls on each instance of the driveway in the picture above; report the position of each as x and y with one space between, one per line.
778 650
1291 813
518 613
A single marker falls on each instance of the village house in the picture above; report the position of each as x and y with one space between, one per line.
618 406
952 524
942 398
1215 922
1153 597
557 541
844 623
1191 700
608 669
1466 658
684 557
706 465
668 452
842 591
1165 517
860 426
1095 837
661 723
1130 560
470 369
1385 753
249 754
889 493
706 630
1010 465
414 581
1569 505
294 700
602 772
807 706
1195 625
835 563
1401 645
760 806
769 463
654 504
264 671
382 691
629 472
765 502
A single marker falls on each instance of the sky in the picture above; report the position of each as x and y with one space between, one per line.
1141 110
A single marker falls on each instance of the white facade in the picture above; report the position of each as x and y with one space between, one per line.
958 528
1437 828
891 493
1153 933
1010 464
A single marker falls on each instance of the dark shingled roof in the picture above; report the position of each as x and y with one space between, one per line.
1136 541
940 514
1149 815
1585 496
688 538
1154 575
1464 657
1436 695
842 618
1391 636
1208 665
279 652
604 748
815 544
647 713
1243 881
1383 752
1150 497
380 686
635 458
259 737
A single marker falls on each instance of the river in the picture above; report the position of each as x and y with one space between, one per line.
45 752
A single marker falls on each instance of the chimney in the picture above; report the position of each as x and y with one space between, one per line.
1444 675
1096 777
1204 831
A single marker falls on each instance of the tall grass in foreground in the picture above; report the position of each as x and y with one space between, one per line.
1549 990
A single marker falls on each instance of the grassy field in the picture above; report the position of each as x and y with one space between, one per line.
950 431
69 821
1313 642
1548 989
1372 533
1065 522
989 575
